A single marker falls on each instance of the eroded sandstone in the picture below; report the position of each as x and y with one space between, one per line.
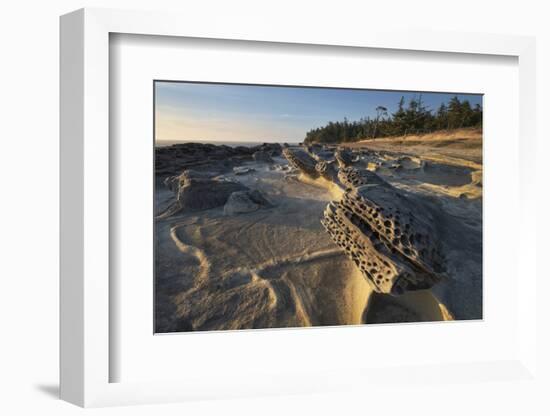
301 160
391 238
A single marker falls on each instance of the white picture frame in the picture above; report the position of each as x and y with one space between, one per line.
85 265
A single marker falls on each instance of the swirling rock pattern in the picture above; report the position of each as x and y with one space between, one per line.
389 237
301 160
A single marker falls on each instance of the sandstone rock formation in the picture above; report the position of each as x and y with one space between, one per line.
320 153
344 157
272 149
390 237
174 182
196 191
301 160
262 156
242 170
353 178
409 163
169 160
241 202
327 170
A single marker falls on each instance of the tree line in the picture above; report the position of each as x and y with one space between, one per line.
413 118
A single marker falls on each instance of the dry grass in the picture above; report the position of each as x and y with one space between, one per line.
458 134
463 147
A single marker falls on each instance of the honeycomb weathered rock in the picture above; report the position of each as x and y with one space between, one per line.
353 178
390 237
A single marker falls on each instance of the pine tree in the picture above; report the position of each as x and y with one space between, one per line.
415 118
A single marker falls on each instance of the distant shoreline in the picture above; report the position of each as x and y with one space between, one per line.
218 143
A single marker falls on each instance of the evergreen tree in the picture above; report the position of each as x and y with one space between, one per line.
414 119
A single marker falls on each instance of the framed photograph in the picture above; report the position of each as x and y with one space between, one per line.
274 212
372 219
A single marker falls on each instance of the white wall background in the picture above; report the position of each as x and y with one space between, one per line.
29 187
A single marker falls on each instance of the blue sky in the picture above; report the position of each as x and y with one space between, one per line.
230 112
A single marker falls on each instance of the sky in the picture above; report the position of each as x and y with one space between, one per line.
240 113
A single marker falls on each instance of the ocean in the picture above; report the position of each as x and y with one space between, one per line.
218 143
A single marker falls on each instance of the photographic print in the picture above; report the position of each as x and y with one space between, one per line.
291 206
